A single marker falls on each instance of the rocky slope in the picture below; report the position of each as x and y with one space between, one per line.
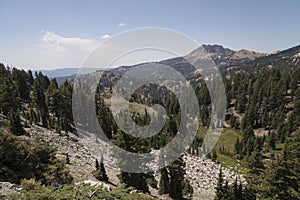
201 172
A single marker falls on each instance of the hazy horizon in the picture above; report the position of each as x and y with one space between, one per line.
128 64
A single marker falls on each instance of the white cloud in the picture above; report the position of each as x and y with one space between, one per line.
59 51
63 44
105 36
56 51
121 24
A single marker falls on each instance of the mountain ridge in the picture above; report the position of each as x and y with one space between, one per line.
224 58
62 72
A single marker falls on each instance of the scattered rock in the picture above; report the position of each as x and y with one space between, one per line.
7 188
203 174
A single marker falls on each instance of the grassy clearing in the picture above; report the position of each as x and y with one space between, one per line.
228 139
230 162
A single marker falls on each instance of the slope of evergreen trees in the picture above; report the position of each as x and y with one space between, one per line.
265 100
38 99
25 159
264 104
236 191
23 101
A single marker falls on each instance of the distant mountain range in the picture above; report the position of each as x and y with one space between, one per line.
64 72
225 59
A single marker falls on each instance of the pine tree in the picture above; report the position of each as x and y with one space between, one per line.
248 141
40 102
237 146
67 159
214 156
226 191
282 178
234 195
188 188
258 143
164 182
9 99
219 188
272 141
240 192
100 172
54 98
249 117
177 172
20 78
249 194
136 180
297 106
234 123
65 106
30 78
97 164
255 163
15 124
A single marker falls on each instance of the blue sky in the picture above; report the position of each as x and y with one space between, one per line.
53 34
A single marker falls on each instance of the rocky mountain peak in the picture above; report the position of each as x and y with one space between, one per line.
209 51
243 53
217 49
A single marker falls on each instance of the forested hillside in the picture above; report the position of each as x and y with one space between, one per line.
261 137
